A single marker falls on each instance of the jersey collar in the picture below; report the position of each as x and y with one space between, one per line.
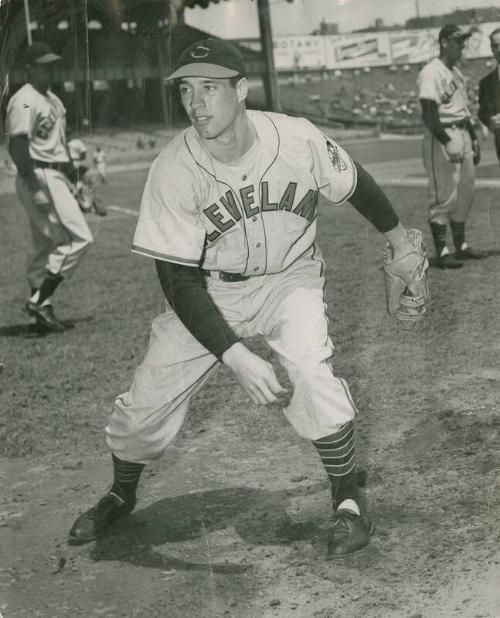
267 133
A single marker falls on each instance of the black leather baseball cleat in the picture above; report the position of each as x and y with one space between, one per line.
350 532
470 254
95 522
448 261
44 316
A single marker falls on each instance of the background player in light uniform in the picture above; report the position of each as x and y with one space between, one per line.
36 126
99 159
450 147
229 214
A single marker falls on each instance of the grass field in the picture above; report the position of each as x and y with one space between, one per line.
231 521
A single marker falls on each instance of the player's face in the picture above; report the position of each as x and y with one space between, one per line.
42 75
495 46
212 105
453 49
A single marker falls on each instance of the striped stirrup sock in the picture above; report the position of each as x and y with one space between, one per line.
337 455
126 478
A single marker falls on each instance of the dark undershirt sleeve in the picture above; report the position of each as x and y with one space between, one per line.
184 288
372 203
430 117
20 153
471 130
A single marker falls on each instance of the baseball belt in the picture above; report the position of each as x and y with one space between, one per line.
222 275
459 124
53 165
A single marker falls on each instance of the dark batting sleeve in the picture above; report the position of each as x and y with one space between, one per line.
372 203
430 117
471 130
19 150
184 288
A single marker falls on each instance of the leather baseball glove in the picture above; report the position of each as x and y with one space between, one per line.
406 285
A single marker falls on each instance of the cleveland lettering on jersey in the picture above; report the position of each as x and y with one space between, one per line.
225 213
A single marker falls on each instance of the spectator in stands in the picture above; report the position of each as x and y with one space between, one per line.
489 94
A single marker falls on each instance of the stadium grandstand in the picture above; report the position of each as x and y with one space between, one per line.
115 57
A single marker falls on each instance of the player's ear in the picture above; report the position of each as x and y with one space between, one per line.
242 89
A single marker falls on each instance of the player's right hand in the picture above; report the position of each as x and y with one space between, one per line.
454 152
41 198
255 375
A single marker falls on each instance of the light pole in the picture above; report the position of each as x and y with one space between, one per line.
266 36
28 20
163 23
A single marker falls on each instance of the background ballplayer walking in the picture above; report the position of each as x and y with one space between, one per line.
36 124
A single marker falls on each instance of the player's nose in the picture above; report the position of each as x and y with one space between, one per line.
198 99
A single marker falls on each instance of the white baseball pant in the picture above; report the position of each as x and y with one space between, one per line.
60 233
288 309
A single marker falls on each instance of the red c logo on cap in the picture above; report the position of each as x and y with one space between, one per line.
200 52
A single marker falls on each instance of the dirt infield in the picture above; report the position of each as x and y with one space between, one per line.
232 520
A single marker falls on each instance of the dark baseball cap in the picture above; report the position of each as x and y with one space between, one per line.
452 31
214 58
40 53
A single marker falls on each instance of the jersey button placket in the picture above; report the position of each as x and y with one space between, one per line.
257 246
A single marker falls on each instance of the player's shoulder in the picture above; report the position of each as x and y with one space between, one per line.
282 122
433 67
175 149
178 156
26 95
284 129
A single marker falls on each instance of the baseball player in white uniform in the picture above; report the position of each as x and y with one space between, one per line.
37 144
99 159
229 214
450 148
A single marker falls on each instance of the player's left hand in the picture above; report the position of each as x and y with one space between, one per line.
476 152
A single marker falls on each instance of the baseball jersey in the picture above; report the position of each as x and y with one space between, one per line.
447 88
253 216
42 118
